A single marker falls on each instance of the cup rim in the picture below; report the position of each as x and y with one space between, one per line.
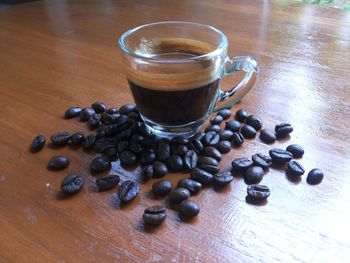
218 50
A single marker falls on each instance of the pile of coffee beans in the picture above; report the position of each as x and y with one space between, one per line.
121 133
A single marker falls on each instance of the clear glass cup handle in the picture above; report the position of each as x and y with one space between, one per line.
242 63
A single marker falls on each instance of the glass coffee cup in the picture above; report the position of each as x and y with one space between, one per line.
174 70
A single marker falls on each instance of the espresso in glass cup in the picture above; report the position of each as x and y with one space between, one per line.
174 70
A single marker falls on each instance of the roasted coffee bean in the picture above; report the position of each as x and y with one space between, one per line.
102 143
212 152
258 192
216 119
211 138
122 146
254 121
107 119
206 160
191 185
315 176
267 136
180 140
72 184
280 156
149 140
121 119
58 162
213 169
232 125
99 106
175 163
86 113
134 115
127 108
37 143
94 121
102 132
248 131
72 112
261 160
89 141
223 146
100 164
136 138
226 135
163 151
295 168
160 169
196 145
77 138
190 159
178 194
199 135
136 148
112 111
283 129
296 150
148 171
237 139
128 190
154 215
179 149
253 175
241 164
189 209
201 176
215 128
162 187
60 138
148 156
225 113
223 178
110 151
107 182
241 115
127 157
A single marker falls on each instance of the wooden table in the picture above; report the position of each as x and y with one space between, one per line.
56 54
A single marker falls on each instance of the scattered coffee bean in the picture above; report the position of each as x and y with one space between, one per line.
283 129
94 121
160 169
237 139
110 151
211 138
261 160
199 135
206 160
154 215
254 121
107 119
241 115
148 171
188 209
72 184
280 156
128 190
253 175
149 140
99 106
122 146
163 151
248 131
37 143
72 112
214 128
178 194
179 149
225 113
315 176
201 176
58 162
136 148
136 138
267 136
213 169
127 108
121 119
295 168
223 146
175 163
190 159
77 138
216 119
258 192
232 125
162 187
191 185
127 157
212 152
100 164
107 182
89 141
86 113
241 164
148 156
180 140
226 135
60 138
223 178
296 150
112 111
196 145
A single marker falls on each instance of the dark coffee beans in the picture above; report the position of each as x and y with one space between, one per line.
241 115
148 156
112 111
223 178
180 140
162 187
178 194
213 169
211 138
283 129
216 119
99 106
94 121
37 143
163 151
159 169
60 138
295 168
122 146
196 145
127 157
258 192
254 121
189 209
127 108
154 215
107 182
136 148
223 146
267 136
261 160
86 113
296 150
232 125
179 149
191 185
77 138
148 171
89 141
280 156
100 164
107 119
206 160
226 135
315 176
58 162
248 131
212 152
128 190
190 159
253 175
237 139
225 113
215 128
241 164
72 112
201 176
175 163
199 135
72 184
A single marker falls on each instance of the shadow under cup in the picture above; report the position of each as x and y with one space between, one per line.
174 70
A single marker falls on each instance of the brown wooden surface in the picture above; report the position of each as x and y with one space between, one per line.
55 54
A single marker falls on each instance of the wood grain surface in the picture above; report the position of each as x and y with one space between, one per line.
56 54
